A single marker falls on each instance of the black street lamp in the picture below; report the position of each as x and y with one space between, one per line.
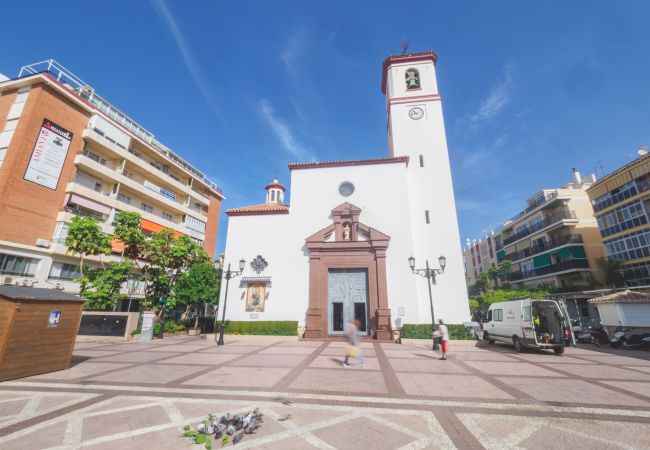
228 275
430 275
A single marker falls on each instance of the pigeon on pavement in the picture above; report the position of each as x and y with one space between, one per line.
238 437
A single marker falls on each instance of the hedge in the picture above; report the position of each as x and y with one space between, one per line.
423 331
263 327
170 327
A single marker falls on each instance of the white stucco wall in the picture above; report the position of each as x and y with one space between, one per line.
430 188
393 199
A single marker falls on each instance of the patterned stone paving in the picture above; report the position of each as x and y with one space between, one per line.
139 395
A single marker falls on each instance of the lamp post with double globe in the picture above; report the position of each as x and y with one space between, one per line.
228 275
430 275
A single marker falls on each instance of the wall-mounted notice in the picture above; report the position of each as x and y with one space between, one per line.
49 154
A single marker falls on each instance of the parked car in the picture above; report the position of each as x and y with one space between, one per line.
527 323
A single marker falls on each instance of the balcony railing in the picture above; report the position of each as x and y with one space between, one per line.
545 246
562 215
97 159
84 213
569 264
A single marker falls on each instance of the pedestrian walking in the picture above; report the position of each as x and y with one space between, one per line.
444 337
353 349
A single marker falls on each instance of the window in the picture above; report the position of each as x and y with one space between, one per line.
124 198
526 314
167 216
60 232
489 314
426 215
127 174
497 314
346 189
272 196
145 207
421 160
194 224
17 265
64 271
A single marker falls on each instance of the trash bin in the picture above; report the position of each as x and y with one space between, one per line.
38 328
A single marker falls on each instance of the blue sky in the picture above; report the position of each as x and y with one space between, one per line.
240 89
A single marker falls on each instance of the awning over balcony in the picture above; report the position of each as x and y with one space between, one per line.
90 204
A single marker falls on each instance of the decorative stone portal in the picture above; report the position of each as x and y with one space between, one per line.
341 257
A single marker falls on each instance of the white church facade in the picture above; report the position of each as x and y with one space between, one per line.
340 250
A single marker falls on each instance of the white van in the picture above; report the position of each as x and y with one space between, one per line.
527 323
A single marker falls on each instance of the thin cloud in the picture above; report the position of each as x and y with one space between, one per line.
295 47
197 75
283 132
497 99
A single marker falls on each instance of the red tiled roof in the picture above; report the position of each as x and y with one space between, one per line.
409 57
257 210
275 185
357 162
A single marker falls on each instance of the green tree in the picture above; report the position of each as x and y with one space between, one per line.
195 287
101 287
167 256
129 232
493 274
501 295
85 237
505 267
610 270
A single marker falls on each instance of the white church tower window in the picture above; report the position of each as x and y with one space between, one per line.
412 78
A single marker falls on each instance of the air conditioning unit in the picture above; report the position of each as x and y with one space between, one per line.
25 283
40 242
8 280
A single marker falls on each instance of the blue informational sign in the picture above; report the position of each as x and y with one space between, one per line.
167 194
55 319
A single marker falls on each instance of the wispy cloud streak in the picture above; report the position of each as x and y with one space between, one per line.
283 132
498 97
292 51
195 72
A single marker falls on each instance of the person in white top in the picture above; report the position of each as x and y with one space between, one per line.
444 337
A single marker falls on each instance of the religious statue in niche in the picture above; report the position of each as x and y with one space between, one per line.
259 264
346 232
412 79
255 297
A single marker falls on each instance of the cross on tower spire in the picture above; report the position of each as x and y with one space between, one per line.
405 46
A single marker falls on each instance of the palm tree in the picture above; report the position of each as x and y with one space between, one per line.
611 271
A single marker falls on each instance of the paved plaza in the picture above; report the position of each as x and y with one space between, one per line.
120 395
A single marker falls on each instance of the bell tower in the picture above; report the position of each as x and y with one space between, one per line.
416 129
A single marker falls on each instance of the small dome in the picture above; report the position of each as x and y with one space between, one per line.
275 192
275 184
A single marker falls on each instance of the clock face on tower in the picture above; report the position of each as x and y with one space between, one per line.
416 113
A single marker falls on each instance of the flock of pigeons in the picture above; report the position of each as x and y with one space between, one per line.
233 426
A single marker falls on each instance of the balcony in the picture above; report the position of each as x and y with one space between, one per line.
77 211
549 220
547 245
562 266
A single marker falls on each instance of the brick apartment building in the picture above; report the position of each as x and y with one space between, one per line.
66 151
